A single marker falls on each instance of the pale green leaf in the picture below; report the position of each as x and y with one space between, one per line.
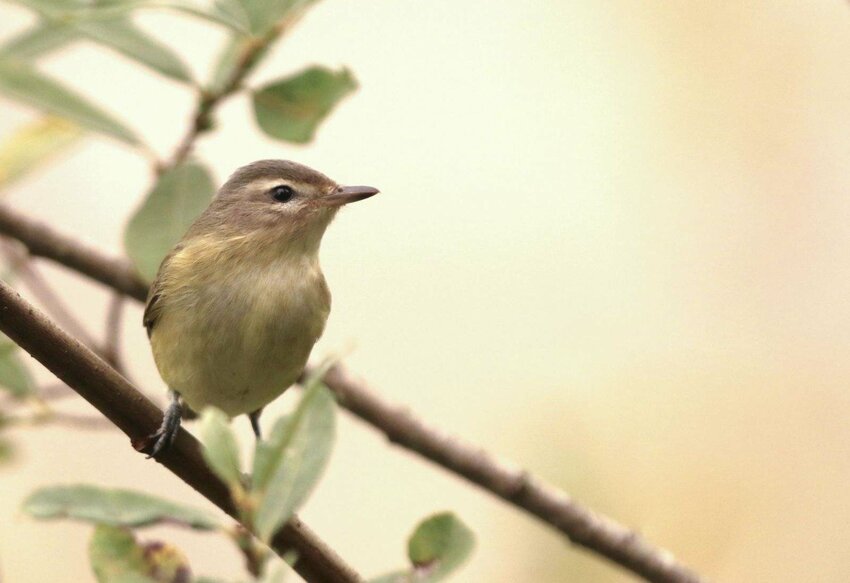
225 64
264 14
261 16
114 554
123 36
177 199
236 24
292 109
113 507
52 8
108 9
221 451
34 144
19 81
43 38
106 26
290 463
438 546
14 376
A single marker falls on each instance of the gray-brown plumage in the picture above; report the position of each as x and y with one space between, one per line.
238 304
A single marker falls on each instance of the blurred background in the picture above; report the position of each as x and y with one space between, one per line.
612 246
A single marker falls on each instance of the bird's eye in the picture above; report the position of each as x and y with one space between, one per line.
283 193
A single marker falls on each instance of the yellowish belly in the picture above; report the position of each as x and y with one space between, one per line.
238 350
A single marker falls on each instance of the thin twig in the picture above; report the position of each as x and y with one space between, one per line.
29 273
547 503
111 350
42 240
138 417
250 52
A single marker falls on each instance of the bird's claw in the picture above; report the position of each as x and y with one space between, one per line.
164 437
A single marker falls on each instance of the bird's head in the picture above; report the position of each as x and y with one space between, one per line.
282 200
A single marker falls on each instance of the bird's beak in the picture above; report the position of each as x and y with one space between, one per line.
346 194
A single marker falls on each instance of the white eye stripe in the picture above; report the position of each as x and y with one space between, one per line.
266 184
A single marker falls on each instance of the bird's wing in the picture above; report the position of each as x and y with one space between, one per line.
153 306
151 310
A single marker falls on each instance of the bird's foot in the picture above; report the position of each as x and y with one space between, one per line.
159 441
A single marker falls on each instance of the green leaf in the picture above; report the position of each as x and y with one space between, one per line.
123 36
106 24
34 42
291 109
49 7
290 463
258 16
438 546
34 144
225 64
237 25
177 199
114 552
117 557
14 376
106 9
20 82
233 11
221 451
113 507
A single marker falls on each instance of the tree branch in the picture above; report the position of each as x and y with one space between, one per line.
43 240
137 416
23 266
582 526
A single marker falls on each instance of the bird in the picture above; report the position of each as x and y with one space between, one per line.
237 305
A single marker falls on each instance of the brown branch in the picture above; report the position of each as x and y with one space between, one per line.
547 503
581 525
24 268
43 240
137 416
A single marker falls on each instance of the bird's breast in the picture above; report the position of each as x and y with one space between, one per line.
240 337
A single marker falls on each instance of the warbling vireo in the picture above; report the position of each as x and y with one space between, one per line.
240 301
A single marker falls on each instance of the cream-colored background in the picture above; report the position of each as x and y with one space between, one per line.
612 245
